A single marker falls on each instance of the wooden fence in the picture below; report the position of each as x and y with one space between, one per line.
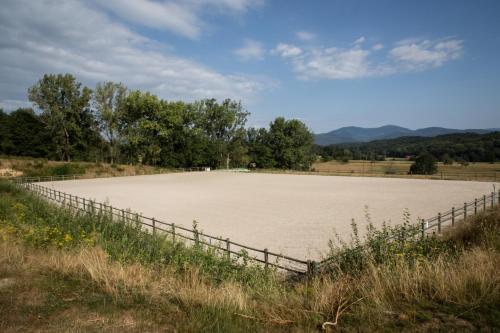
225 245
176 232
435 224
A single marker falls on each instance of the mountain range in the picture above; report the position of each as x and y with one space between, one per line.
352 134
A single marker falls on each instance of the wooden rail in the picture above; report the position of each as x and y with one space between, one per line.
176 232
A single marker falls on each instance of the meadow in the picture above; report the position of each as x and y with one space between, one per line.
62 271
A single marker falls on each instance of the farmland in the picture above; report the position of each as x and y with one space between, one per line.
399 168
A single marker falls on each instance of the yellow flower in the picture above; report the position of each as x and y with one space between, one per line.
68 238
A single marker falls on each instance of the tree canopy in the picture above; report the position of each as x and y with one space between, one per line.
111 123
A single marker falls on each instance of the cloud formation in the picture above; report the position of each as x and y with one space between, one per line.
359 60
182 17
305 36
70 36
287 50
251 50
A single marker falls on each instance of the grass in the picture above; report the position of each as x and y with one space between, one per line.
64 272
33 167
400 168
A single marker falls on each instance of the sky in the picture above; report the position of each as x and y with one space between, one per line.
328 63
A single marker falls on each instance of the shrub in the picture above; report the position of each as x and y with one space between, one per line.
425 164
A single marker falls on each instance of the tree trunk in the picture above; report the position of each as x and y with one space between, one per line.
66 145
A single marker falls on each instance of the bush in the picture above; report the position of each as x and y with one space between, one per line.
425 164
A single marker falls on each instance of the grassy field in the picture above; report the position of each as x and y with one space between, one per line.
63 272
400 168
32 167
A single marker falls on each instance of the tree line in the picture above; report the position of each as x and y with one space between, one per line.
460 147
114 124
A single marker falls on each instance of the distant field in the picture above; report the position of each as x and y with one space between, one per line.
292 214
399 168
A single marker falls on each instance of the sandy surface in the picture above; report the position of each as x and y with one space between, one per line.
291 214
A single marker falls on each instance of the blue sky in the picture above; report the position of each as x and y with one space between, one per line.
328 63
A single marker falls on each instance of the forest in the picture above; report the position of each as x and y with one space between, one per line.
111 123
461 148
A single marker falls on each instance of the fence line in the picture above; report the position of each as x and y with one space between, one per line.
435 224
176 232
266 257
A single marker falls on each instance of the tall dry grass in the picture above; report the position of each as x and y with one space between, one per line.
124 281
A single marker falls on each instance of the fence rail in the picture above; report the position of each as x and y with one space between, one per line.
176 232
225 245
434 225
445 175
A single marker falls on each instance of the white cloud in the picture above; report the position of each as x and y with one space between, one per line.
161 15
421 55
357 61
71 37
251 50
179 16
305 36
360 40
287 50
333 63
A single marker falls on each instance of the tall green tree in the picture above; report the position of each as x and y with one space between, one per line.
25 135
224 125
64 104
291 143
259 149
108 101
139 123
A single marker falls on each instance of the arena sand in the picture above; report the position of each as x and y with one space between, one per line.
291 214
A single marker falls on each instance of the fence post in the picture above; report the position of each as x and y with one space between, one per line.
422 225
452 216
475 206
484 202
465 210
123 215
439 223
492 199
228 248
173 232
154 225
266 258
310 267
196 238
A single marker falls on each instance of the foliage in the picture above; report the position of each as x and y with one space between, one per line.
65 113
388 245
22 133
450 283
425 164
27 217
137 127
288 144
108 100
467 147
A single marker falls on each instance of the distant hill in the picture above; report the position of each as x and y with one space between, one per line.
354 134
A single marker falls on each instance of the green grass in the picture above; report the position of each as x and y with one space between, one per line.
75 272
